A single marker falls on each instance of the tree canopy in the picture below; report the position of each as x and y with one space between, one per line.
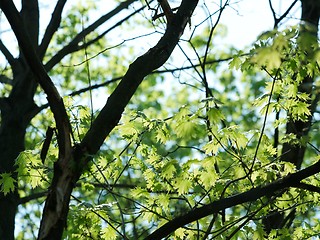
128 120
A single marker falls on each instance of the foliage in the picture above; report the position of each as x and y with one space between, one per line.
187 138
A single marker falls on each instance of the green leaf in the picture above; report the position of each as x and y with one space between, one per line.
169 169
208 179
211 147
164 201
215 115
186 129
108 233
268 57
180 233
235 63
35 177
7 183
183 185
259 233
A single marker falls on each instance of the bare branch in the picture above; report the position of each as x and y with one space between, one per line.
166 10
6 53
172 70
278 20
51 28
273 12
74 44
108 30
95 86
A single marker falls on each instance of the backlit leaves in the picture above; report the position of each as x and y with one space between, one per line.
7 183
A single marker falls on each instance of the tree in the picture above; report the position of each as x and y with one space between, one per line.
230 150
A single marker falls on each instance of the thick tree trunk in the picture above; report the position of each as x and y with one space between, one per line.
11 143
17 110
15 117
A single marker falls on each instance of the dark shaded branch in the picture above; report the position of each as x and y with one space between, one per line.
166 10
140 68
285 13
30 20
271 189
108 30
311 13
95 86
4 105
4 79
51 28
273 12
32 197
54 99
308 187
275 18
7 54
172 70
74 44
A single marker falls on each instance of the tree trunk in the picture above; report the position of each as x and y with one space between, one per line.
17 110
15 117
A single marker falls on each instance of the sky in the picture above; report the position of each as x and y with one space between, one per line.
253 18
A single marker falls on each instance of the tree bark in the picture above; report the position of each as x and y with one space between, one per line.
16 113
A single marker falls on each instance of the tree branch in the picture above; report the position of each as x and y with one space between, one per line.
7 54
4 79
291 180
278 20
74 44
308 187
54 99
172 70
141 67
285 13
51 28
32 197
166 10
30 20
88 43
68 171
